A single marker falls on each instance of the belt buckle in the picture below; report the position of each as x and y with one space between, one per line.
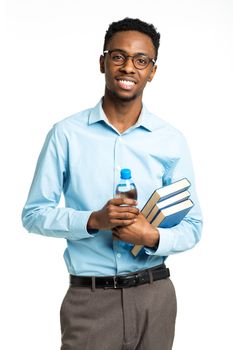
111 286
115 282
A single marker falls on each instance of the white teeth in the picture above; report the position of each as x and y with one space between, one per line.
127 82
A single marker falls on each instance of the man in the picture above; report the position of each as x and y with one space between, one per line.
109 304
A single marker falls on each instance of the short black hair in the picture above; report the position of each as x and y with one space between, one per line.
127 24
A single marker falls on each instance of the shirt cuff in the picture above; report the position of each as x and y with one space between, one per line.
165 243
78 225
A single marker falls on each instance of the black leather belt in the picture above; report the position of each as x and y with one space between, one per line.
122 281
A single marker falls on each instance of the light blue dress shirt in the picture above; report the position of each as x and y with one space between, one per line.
82 157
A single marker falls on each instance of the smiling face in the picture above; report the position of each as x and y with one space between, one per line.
125 82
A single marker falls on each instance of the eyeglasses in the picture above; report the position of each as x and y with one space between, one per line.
140 61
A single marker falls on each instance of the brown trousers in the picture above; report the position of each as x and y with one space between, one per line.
136 318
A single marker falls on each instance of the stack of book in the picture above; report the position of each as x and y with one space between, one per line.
167 206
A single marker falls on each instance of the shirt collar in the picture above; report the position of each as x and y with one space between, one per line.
145 120
97 114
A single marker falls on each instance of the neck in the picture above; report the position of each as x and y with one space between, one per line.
122 114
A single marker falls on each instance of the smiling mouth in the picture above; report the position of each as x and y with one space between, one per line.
126 84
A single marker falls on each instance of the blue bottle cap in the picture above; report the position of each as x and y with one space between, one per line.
125 174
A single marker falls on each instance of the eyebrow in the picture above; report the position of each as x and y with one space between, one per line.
136 53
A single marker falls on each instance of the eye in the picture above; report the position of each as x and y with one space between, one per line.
141 61
117 57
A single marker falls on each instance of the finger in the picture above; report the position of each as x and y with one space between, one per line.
126 215
127 209
123 216
123 222
123 201
114 212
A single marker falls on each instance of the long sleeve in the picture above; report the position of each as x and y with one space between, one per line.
185 235
41 213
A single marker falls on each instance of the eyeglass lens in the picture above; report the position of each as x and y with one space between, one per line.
140 61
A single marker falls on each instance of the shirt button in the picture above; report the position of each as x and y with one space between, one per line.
118 255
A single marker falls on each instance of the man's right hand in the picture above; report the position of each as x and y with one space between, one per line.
116 212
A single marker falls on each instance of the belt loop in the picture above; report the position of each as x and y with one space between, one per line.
150 276
93 283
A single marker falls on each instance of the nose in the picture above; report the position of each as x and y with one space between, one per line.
128 66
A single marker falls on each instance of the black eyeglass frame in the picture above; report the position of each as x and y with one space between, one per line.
127 56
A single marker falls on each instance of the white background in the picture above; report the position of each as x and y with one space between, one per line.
49 70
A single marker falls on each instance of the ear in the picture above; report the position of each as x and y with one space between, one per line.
153 71
102 69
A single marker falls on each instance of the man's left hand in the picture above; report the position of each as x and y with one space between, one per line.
140 232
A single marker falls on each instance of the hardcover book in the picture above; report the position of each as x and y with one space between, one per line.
164 193
180 197
172 216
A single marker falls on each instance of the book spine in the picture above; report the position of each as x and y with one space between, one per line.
136 249
153 213
150 204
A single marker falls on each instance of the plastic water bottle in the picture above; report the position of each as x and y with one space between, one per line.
126 187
